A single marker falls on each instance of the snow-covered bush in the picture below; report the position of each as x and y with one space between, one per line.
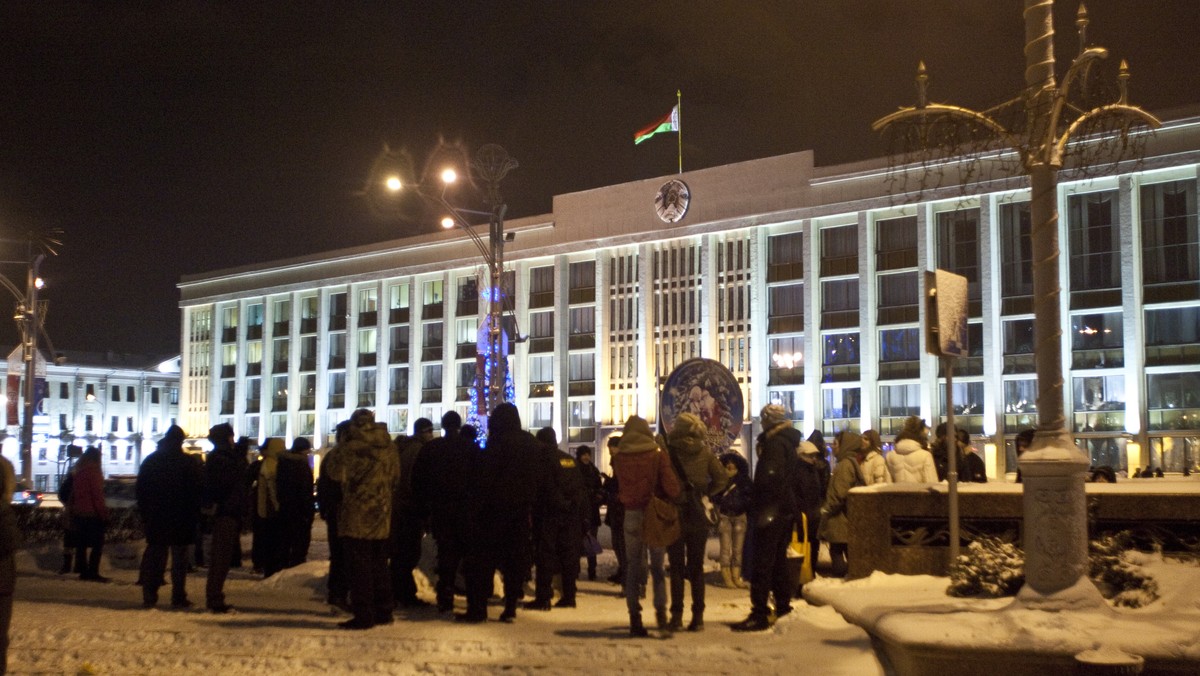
990 568
1116 574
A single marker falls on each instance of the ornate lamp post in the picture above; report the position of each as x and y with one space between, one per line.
1055 535
490 165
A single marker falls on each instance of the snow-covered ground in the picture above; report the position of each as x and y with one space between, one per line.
281 625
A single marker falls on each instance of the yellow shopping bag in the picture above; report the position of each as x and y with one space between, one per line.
801 548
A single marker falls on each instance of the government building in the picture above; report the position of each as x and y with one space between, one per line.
804 281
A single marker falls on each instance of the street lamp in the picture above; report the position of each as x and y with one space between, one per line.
30 315
490 165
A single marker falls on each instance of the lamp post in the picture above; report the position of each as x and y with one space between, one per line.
1055 535
491 164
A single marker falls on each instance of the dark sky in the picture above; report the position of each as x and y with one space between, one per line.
184 137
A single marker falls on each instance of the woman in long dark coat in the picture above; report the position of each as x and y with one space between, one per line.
169 487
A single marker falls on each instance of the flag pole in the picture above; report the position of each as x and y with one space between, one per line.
679 132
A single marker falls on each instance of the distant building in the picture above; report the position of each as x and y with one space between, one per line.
121 403
804 281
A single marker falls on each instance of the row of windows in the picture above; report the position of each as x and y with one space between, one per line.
89 393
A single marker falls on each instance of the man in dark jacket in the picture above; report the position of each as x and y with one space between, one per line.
505 486
614 514
593 485
329 501
169 486
226 499
294 482
440 483
771 516
559 517
408 517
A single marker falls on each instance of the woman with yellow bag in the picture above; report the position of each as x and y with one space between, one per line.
812 478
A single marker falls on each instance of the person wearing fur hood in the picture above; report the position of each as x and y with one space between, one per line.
812 481
773 512
835 524
642 471
367 468
702 475
910 461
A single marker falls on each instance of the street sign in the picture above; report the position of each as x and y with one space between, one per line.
946 314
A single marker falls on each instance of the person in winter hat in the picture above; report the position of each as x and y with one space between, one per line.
269 543
642 471
90 513
835 524
169 488
294 482
910 460
812 481
367 468
874 467
701 475
227 502
773 511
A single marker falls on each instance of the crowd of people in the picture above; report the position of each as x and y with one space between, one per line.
519 505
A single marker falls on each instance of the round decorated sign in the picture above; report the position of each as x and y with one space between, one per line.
672 200
707 389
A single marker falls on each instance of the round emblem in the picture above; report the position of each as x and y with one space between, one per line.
672 200
710 391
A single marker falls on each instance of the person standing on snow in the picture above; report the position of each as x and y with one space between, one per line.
835 524
642 470
367 468
593 484
408 517
701 475
294 481
89 513
773 513
732 504
170 484
227 502
559 518
329 501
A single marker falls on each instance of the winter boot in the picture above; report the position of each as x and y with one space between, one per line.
660 617
636 628
727 577
676 623
755 622
736 574
149 596
510 610
697 623
66 567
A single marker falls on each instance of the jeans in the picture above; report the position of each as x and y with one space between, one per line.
732 530
635 566
687 562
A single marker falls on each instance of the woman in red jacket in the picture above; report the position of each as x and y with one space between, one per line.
89 513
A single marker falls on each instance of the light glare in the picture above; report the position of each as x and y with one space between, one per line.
449 176
393 183
447 222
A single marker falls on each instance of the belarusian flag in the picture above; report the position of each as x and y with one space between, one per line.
669 122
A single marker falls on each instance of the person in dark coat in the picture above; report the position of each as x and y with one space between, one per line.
559 518
294 482
593 485
732 504
227 501
329 501
701 475
89 513
10 541
269 548
440 484
773 512
169 488
812 482
505 486
614 514
409 516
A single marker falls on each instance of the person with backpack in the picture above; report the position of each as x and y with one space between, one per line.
835 524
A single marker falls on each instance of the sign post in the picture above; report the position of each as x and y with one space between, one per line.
946 337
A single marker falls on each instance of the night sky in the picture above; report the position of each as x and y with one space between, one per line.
184 137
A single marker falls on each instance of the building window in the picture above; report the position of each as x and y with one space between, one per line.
581 423
113 424
398 303
900 354
1095 245
129 423
839 303
541 414
958 251
897 402
1173 336
337 350
64 391
1099 403
1016 259
1020 404
399 344
308 353
541 287
787 399
541 376
309 309
338 311
308 392
787 361
785 257
785 308
155 395
1170 242
541 331
968 404
368 307
899 298
839 251
468 296
583 282
841 408
582 327
253 395
1018 346
581 374
1097 341
283 316
337 390
279 425
89 423
254 321
280 349
229 324
398 386
431 341
431 299
116 393
896 243
431 383
1173 401
368 346
839 357
254 356
62 422
366 388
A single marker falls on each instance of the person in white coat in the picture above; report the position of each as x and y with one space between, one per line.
910 461
874 467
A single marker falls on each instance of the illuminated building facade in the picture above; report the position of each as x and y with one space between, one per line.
804 281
